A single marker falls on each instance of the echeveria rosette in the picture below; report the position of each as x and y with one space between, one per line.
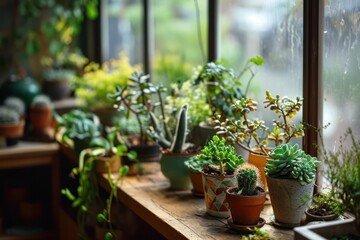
288 161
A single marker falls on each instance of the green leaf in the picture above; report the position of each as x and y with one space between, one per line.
101 218
132 155
91 11
108 236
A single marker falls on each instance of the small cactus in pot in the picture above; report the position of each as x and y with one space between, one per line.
41 113
246 201
11 126
16 104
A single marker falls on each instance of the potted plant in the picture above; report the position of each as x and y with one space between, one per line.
195 165
254 136
324 207
11 126
77 128
16 104
290 174
218 174
136 100
87 192
40 113
57 82
98 81
175 150
343 173
246 201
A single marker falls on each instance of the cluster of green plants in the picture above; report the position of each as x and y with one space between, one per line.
220 156
343 172
326 204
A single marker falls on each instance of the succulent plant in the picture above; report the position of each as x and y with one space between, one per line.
41 100
54 74
8 115
291 162
16 104
195 164
221 157
176 144
246 180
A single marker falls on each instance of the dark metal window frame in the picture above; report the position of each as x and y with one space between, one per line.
313 10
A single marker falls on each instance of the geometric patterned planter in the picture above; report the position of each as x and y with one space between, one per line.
215 195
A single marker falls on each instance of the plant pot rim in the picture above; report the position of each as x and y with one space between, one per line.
288 179
260 192
182 154
217 176
329 216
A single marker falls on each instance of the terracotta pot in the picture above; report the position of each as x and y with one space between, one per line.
245 210
40 117
196 180
12 130
108 164
174 169
289 200
215 195
259 161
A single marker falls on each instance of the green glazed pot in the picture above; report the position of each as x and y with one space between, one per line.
173 167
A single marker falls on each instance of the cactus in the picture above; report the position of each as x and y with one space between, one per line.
16 104
8 115
41 100
247 179
221 156
177 143
288 161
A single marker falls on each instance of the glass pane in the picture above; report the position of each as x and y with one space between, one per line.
272 29
341 69
121 27
177 48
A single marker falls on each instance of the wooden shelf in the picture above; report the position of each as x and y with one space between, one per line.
179 214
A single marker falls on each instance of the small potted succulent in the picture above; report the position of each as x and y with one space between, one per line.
57 83
175 150
12 115
246 200
253 135
290 174
77 129
41 113
218 174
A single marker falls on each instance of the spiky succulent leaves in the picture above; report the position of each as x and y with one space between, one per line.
8 115
223 156
155 132
246 180
181 129
196 164
288 161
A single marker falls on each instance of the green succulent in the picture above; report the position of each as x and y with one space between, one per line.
223 156
195 164
16 104
247 179
291 162
41 100
8 115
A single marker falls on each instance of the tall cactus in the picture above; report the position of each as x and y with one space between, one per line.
177 143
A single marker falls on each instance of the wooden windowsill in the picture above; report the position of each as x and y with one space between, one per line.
179 214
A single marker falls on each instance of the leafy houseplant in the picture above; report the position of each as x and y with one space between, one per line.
79 128
253 135
246 201
290 175
224 87
87 191
218 174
